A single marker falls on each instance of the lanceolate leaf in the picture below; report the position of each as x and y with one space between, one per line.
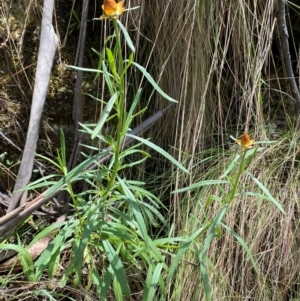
104 115
117 267
126 36
180 253
201 184
159 150
152 282
266 191
153 83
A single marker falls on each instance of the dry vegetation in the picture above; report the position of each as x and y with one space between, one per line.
222 61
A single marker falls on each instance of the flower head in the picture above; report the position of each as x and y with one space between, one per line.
245 141
111 9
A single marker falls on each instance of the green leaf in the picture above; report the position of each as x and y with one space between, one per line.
213 198
104 115
201 184
80 243
108 79
242 243
72 175
97 280
205 280
50 296
152 282
270 198
184 247
172 242
112 64
62 155
25 258
48 258
153 83
41 182
52 162
101 58
132 108
46 232
126 36
231 166
202 255
85 69
102 55
254 194
117 290
211 233
140 220
159 150
117 267
106 283
156 213
135 209
129 63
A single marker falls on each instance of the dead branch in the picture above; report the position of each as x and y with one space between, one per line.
78 103
47 48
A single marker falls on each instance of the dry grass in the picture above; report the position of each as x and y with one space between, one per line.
272 237
218 60
44 290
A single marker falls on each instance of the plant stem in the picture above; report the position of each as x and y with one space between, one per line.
120 103
237 179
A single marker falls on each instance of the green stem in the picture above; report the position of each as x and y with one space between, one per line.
76 205
237 179
120 106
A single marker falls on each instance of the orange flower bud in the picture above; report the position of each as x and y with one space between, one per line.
245 141
111 9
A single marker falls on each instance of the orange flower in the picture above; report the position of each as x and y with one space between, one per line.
245 141
111 9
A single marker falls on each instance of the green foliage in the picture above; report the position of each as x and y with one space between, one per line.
109 233
232 175
76 22
25 258
4 159
219 61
